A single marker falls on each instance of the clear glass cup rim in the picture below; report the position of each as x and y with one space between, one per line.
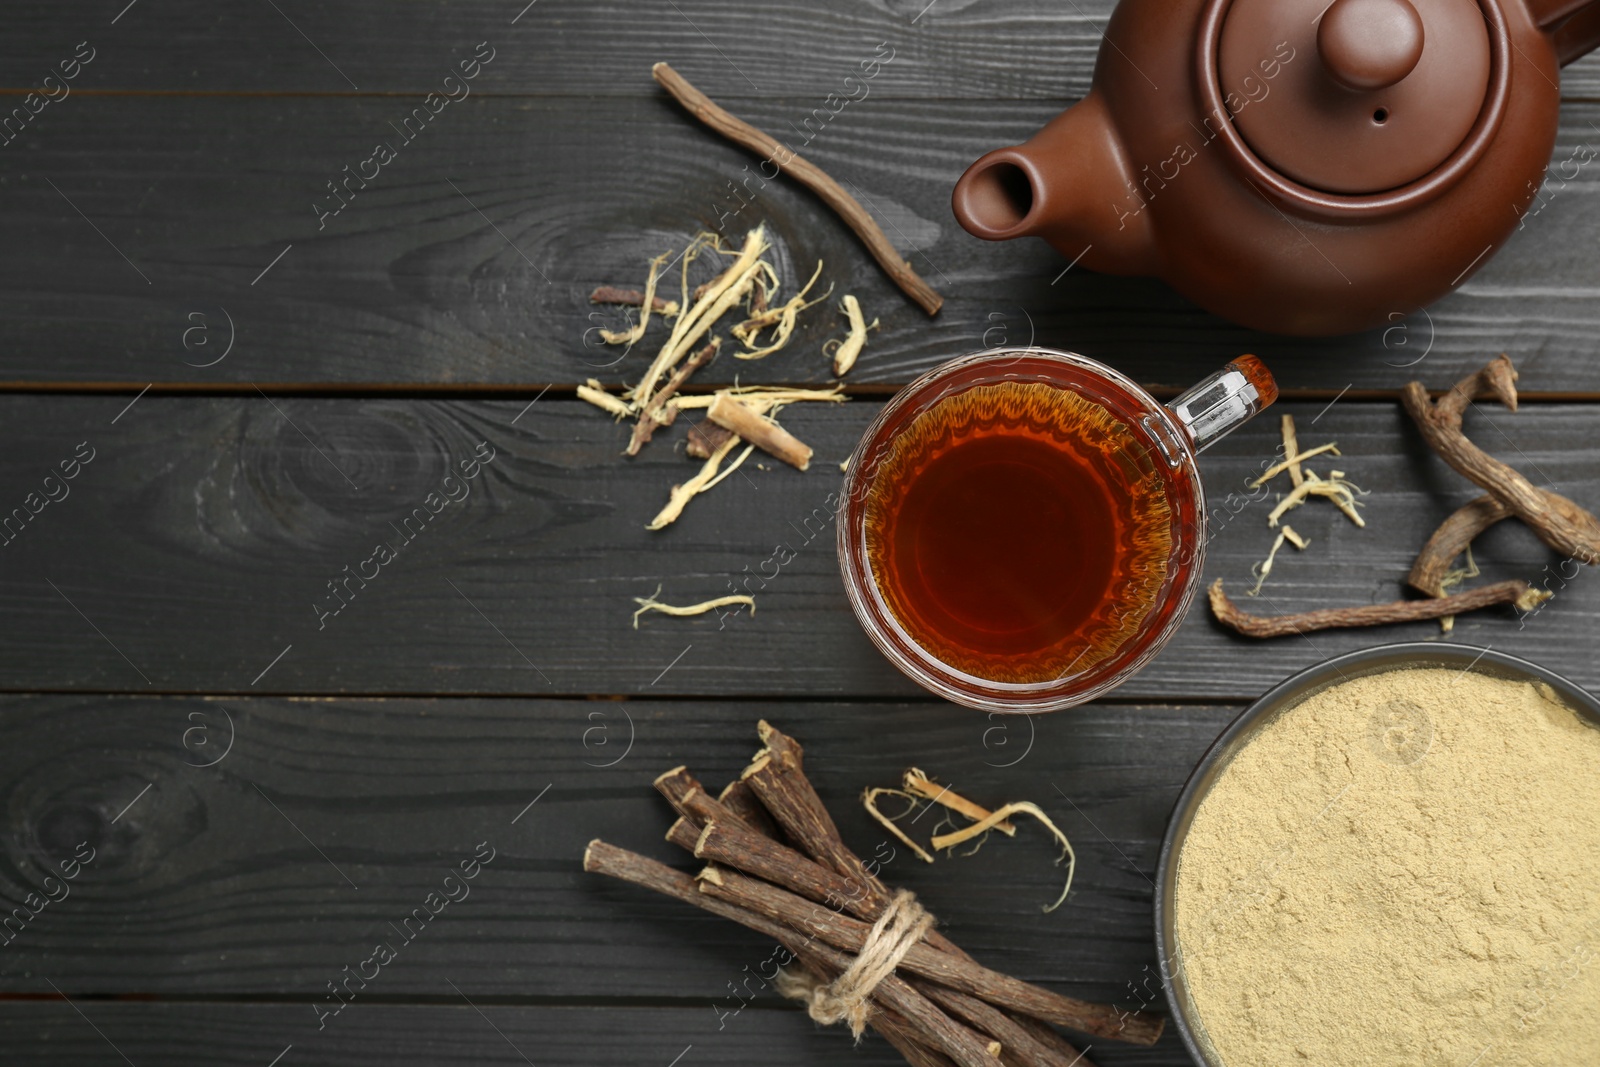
891 639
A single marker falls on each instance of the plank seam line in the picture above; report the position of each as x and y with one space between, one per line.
779 699
866 391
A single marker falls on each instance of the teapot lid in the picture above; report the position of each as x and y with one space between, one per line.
1357 96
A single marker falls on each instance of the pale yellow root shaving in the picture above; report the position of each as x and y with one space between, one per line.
783 317
919 784
682 494
628 337
594 393
762 400
845 352
1453 578
650 603
760 397
670 356
1291 449
713 242
1265 568
732 286
701 242
947 821
1341 492
768 282
735 465
869 800
1023 807
1293 462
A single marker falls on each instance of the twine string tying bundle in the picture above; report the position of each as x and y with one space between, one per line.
845 999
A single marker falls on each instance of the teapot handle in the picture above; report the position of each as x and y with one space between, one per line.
1573 26
1578 35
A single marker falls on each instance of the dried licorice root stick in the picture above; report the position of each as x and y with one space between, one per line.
895 1028
956 972
647 304
739 799
705 438
747 840
779 781
808 174
1559 523
659 413
759 430
753 826
954 1039
611 294
1451 539
914 1045
1516 592
1022 1041
739 847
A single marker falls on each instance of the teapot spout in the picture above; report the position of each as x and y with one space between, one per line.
1069 184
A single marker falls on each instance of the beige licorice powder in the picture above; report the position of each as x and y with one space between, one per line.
1403 869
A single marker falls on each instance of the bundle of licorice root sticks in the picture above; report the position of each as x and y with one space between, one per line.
862 953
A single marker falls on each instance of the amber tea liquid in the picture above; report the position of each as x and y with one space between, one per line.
1019 532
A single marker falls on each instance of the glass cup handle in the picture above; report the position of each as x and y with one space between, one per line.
1223 401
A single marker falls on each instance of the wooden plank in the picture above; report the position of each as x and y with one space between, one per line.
952 49
440 1035
469 259
1020 49
320 825
198 546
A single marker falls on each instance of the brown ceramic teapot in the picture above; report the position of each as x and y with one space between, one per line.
1297 166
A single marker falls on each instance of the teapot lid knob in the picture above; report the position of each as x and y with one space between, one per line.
1370 44
1342 96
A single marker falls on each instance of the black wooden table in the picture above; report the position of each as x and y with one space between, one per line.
251 388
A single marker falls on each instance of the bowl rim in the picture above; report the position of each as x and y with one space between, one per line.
1285 694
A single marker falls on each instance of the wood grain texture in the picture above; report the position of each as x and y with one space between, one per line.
450 1035
1024 49
470 258
198 544
163 215
328 820
948 49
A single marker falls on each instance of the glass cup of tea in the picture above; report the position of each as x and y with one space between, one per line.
1023 529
